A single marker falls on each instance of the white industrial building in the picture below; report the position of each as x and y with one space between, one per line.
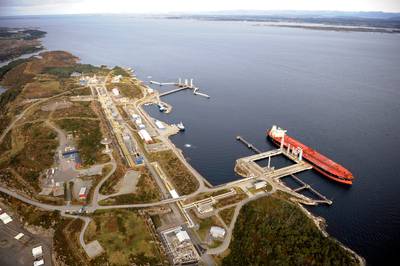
5 218
144 135
217 232
259 184
37 251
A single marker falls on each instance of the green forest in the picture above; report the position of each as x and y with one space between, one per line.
272 231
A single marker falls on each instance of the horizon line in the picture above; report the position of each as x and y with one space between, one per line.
204 12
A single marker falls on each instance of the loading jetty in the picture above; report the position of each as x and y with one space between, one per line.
186 84
274 176
248 144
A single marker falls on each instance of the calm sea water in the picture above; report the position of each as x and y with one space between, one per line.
335 91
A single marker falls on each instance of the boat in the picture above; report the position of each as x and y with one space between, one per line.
320 163
181 126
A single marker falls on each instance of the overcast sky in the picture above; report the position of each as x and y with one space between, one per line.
33 7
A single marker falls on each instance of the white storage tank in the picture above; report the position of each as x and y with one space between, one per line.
115 91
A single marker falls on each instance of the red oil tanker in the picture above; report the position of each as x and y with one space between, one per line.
320 163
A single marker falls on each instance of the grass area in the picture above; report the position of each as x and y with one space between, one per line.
42 88
77 109
88 135
127 88
30 214
81 91
227 215
37 146
66 243
66 71
120 71
4 69
124 236
178 174
108 186
272 231
146 191
239 196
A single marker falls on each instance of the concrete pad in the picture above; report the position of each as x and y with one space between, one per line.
128 183
93 249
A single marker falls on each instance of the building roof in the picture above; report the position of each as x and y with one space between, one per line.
37 251
19 236
82 191
145 135
38 262
217 231
182 236
5 218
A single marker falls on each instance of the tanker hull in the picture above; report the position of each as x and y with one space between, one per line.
320 163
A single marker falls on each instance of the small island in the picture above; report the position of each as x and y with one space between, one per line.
15 42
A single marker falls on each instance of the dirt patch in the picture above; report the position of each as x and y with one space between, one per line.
56 106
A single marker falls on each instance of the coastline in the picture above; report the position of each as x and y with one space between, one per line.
319 222
315 219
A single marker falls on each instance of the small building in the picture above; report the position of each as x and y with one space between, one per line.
139 160
144 135
82 193
116 79
5 218
19 236
38 262
259 184
160 125
135 116
150 91
37 252
115 91
75 74
217 232
141 126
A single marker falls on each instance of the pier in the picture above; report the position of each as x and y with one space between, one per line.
186 84
304 185
248 144
253 170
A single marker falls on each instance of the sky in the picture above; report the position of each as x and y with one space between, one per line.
48 7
